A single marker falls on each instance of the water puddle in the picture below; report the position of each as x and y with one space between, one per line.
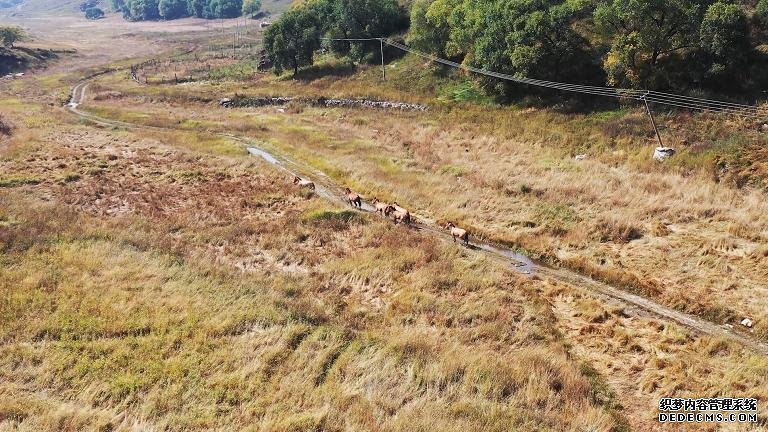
264 155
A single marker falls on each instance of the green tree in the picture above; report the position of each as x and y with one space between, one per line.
761 12
646 35
117 5
9 35
292 40
198 8
251 7
172 9
431 26
526 38
143 10
724 39
226 8
360 19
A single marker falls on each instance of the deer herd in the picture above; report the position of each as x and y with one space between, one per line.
398 214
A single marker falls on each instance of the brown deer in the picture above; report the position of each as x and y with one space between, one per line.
397 207
353 198
381 207
304 183
399 214
457 232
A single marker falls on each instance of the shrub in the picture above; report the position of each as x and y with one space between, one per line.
6 127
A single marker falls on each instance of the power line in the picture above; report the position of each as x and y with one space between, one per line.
651 96
640 95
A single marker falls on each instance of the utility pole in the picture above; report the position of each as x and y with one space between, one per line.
653 121
383 69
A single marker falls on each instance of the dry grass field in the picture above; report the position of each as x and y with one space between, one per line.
672 233
166 280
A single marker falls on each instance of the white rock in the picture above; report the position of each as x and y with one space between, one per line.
580 157
662 153
281 110
746 322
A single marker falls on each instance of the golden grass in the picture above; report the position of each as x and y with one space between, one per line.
167 283
500 173
249 305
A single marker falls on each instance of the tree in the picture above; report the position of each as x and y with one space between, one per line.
199 8
143 10
761 12
251 7
292 40
172 9
724 39
10 35
526 38
226 8
94 13
431 26
645 34
360 19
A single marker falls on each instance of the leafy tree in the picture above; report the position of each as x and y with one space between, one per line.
226 8
251 7
117 5
361 19
431 25
531 38
142 10
761 12
172 9
292 40
10 35
645 34
94 13
724 38
198 8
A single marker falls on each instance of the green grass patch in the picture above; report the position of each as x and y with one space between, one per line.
323 215
14 181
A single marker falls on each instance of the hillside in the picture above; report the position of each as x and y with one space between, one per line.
33 8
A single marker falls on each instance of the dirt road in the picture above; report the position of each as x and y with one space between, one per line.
333 192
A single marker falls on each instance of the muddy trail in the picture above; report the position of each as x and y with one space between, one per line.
329 190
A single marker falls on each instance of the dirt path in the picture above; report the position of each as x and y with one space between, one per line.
333 192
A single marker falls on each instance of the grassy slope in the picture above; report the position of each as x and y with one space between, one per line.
701 245
214 295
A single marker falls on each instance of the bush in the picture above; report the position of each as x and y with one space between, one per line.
6 127
94 13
